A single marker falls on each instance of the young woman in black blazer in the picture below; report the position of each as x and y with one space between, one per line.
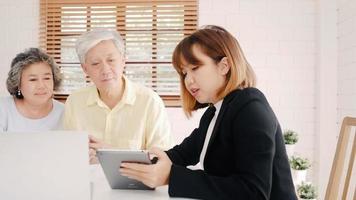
238 142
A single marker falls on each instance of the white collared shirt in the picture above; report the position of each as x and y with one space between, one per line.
209 132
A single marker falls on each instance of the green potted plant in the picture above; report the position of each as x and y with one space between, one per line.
290 139
306 191
299 167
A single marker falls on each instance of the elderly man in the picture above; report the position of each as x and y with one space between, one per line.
116 112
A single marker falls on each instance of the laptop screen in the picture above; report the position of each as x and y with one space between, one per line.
46 165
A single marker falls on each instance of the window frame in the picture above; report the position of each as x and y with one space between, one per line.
49 35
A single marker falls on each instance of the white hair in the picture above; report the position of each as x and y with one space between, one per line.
89 39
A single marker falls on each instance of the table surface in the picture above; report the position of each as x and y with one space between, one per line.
100 189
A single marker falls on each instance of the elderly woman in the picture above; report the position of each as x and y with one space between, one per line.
31 81
114 111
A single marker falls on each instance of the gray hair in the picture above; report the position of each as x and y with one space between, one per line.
27 58
88 40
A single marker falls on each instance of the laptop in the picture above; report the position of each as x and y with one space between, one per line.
45 165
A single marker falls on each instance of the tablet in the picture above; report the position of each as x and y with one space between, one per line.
110 160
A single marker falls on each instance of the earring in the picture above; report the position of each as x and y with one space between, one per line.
19 93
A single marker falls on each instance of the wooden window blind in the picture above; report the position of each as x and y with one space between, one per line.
150 29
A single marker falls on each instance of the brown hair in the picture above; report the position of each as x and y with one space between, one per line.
217 43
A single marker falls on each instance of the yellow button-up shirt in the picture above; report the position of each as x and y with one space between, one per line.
138 121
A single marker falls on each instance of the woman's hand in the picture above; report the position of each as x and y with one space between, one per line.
151 175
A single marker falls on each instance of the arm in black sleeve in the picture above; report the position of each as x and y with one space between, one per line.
188 152
253 131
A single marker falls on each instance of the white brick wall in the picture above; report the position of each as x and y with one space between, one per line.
326 82
278 38
346 67
19 19
346 58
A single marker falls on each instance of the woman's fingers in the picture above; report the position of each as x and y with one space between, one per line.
144 177
152 175
134 174
136 167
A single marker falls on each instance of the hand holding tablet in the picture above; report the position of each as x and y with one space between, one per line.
153 175
111 159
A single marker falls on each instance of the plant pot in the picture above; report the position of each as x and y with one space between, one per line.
299 176
290 149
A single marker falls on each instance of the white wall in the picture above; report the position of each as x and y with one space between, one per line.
346 66
181 126
336 78
19 19
326 101
279 41
278 38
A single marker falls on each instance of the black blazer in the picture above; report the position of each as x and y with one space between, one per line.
245 159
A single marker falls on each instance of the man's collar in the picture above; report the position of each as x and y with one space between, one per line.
129 95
